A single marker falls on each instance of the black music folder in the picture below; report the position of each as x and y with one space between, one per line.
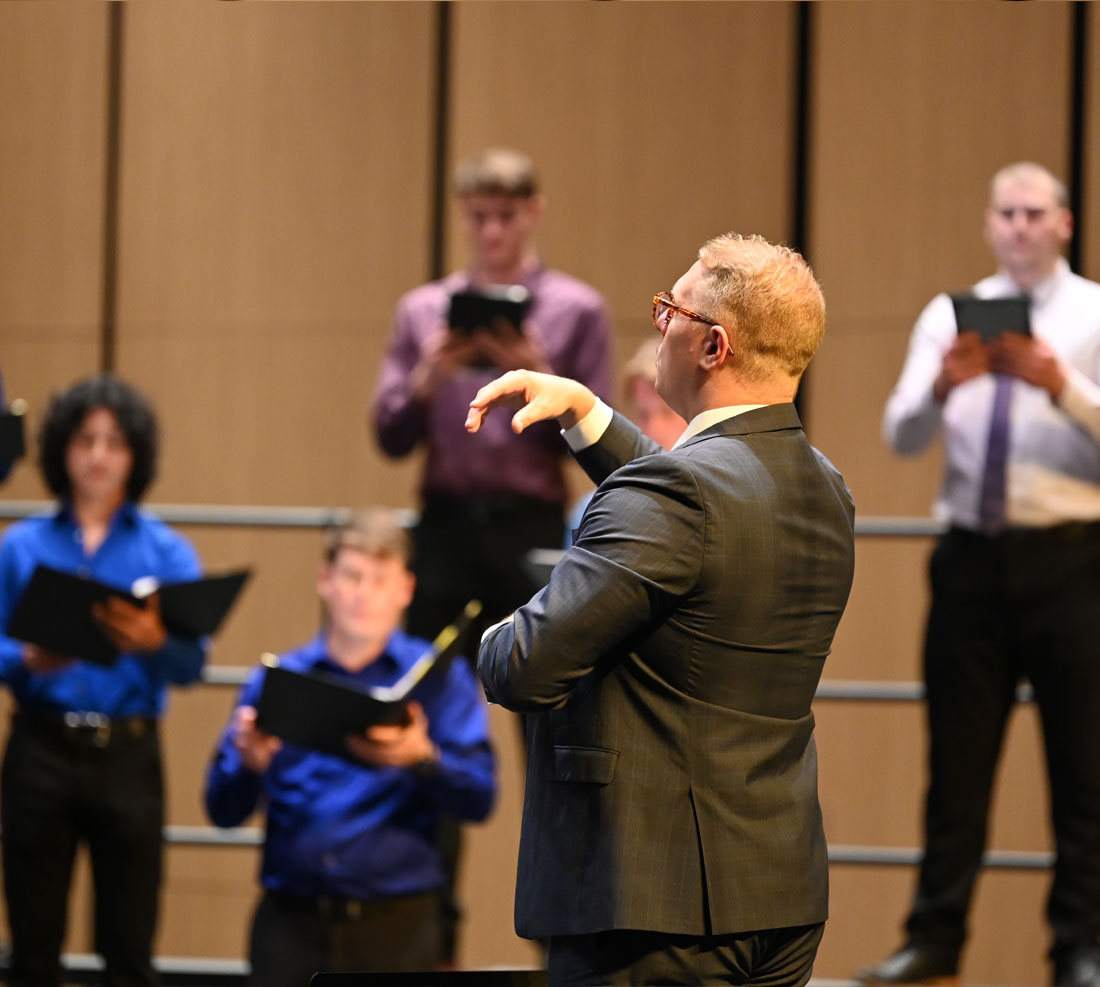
318 711
55 610
989 317
13 442
198 608
499 309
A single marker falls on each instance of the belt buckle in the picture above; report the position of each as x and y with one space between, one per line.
336 909
96 725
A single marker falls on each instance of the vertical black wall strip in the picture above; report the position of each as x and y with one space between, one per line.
108 315
441 137
800 143
1075 177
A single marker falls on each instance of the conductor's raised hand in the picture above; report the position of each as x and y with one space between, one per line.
539 397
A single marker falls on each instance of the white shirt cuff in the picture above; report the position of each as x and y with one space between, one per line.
490 631
589 430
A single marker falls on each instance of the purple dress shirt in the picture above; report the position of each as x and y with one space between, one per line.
572 324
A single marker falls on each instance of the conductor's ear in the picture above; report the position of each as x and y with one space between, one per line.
716 347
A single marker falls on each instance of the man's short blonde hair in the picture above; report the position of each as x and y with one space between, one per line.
375 531
768 300
1028 171
497 171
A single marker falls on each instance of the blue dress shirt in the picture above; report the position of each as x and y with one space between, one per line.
137 546
339 827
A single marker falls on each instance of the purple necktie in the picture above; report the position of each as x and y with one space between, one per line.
991 507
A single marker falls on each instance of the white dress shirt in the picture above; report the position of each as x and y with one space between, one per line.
589 430
1053 472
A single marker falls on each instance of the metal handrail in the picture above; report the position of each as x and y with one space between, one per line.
213 836
217 515
260 516
909 856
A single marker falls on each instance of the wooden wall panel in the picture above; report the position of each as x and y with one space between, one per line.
275 189
914 107
53 76
876 641
487 877
654 127
207 898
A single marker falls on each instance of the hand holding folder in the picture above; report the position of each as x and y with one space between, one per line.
130 627
57 611
318 711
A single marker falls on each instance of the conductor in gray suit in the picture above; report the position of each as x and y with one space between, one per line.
671 826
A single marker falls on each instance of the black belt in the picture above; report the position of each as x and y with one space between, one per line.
85 729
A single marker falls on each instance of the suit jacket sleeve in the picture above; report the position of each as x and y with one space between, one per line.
638 552
622 443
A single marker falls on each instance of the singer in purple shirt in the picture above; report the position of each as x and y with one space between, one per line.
486 500
485 503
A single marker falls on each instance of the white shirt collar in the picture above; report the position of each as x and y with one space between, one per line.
712 416
1044 290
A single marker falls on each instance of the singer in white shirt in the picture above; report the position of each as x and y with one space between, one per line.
1017 597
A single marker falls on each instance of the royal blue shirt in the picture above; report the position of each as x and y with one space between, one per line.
137 546
340 827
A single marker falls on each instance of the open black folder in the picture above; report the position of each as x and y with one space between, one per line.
55 610
318 711
989 317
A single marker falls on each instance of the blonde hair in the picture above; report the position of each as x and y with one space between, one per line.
375 531
1025 171
767 299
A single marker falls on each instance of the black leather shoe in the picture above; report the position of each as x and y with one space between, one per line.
1078 967
937 965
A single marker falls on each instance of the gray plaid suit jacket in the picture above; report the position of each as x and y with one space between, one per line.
669 666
